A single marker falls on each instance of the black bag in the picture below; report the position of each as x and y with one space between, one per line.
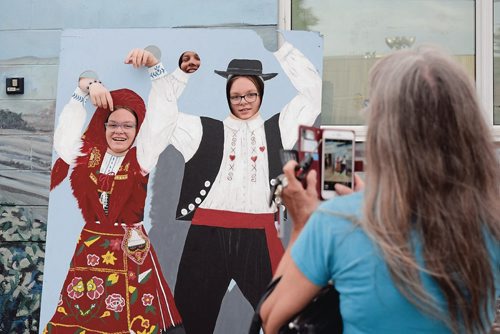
320 316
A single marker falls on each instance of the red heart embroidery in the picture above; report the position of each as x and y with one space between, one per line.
254 158
232 156
262 148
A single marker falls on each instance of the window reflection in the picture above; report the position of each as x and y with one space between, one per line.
358 32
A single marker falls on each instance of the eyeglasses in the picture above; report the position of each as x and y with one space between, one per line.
113 126
250 97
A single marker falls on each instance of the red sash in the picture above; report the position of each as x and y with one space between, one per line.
229 219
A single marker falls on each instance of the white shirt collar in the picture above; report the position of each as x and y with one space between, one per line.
235 123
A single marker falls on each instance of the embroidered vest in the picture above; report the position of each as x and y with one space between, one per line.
200 172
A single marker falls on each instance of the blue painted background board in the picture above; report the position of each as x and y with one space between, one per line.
104 50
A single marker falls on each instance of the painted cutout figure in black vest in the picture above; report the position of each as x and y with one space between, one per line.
225 189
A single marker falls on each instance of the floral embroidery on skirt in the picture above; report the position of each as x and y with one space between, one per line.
106 292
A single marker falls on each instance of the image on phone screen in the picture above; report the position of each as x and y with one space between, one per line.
337 160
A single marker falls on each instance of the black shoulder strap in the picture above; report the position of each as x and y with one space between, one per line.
320 316
256 323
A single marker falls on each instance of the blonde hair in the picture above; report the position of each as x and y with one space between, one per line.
432 176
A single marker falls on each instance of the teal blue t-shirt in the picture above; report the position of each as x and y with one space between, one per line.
333 248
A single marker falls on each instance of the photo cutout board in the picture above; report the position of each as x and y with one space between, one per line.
104 51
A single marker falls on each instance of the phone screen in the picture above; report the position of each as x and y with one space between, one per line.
337 163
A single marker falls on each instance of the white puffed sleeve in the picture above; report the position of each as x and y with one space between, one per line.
305 107
161 124
68 132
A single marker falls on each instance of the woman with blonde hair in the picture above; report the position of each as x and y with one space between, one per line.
418 250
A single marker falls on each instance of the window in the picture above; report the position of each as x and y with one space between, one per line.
496 62
358 32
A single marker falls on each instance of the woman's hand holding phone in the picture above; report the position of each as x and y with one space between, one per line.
299 201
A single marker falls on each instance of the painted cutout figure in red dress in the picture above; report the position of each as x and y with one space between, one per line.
114 283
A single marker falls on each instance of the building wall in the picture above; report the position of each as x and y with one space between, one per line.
30 32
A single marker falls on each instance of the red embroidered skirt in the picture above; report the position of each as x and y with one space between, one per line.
114 285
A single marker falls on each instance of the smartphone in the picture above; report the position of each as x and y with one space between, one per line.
309 150
337 160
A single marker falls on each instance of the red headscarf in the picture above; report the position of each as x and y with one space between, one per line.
96 133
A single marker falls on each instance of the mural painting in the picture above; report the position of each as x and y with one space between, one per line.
22 253
208 109
26 123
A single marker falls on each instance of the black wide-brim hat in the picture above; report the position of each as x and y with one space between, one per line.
245 67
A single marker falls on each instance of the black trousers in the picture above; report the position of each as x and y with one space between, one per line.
212 256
